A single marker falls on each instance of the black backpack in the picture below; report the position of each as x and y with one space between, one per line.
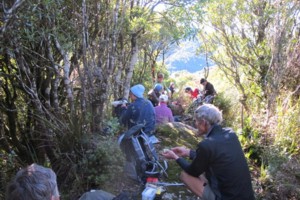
141 157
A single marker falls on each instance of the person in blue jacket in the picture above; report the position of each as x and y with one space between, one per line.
140 111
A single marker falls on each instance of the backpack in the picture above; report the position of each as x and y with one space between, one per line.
141 157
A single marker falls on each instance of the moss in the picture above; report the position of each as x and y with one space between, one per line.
175 134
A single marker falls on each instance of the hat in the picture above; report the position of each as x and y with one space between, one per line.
202 80
138 90
158 87
163 98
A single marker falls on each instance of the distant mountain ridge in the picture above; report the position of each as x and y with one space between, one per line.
193 64
185 57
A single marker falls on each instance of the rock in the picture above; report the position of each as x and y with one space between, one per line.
97 195
177 134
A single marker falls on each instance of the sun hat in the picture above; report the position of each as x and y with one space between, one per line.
163 98
158 87
138 90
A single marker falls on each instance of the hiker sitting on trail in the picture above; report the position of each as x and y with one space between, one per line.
193 93
140 111
163 113
154 94
218 169
209 91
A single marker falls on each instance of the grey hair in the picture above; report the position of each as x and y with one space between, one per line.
210 113
34 182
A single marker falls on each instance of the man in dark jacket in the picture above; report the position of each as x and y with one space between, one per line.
153 95
219 168
209 91
140 111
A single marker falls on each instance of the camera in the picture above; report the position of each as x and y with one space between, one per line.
119 102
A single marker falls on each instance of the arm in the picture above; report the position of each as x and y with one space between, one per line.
171 118
126 113
193 154
198 165
209 90
153 97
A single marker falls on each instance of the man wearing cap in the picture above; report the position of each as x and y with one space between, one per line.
140 111
162 112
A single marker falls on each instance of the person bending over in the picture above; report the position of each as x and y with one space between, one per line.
193 93
218 169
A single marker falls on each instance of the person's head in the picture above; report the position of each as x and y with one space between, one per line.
203 81
33 182
160 77
158 87
188 90
163 98
205 116
136 91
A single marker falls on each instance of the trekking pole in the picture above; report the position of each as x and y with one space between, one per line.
165 184
164 169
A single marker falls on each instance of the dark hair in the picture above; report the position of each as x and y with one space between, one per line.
202 80
188 89
160 75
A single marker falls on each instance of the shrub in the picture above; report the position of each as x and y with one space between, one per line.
224 104
252 142
100 165
287 128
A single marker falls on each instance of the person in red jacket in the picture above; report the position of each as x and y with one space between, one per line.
194 93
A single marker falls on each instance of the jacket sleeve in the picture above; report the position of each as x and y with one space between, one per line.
171 118
125 115
198 165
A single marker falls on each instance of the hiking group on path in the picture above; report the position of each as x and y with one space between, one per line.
217 169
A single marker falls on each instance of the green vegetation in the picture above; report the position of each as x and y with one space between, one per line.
62 63
271 147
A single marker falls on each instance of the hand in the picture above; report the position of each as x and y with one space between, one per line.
181 151
169 154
